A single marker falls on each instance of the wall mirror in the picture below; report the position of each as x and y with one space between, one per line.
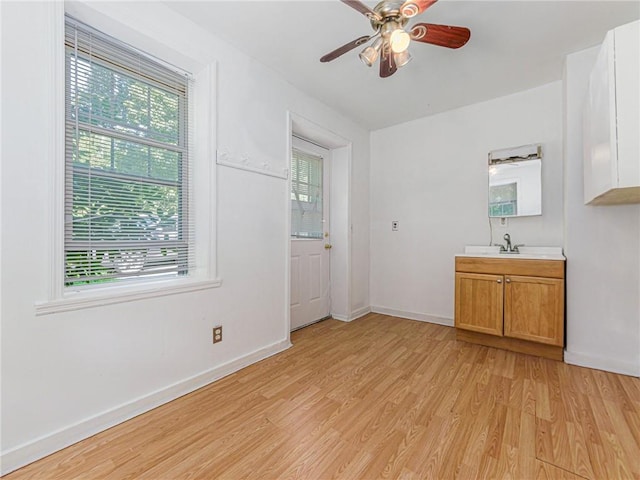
515 182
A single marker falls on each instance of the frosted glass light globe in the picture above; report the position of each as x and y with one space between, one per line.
399 41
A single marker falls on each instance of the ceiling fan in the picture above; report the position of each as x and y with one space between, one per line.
391 40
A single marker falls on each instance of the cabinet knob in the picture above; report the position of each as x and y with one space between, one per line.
499 280
508 280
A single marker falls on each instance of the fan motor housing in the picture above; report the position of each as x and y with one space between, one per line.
388 10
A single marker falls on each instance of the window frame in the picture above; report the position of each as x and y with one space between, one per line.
202 107
80 61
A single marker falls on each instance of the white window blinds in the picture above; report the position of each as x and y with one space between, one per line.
306 195
127 162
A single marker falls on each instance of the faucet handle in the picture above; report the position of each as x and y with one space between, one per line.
516 248
502 247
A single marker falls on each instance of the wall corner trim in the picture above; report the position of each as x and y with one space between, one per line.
421 317
24 454
361 312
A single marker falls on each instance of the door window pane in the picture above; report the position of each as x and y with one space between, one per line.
306 195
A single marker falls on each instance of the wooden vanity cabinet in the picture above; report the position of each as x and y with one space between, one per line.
515 304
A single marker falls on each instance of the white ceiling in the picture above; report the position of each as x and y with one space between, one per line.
514 45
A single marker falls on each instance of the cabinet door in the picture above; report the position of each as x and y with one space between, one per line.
479 302
534 309
627 53
600 145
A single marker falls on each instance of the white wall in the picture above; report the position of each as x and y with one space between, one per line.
339 228
432 176
67 375
602 245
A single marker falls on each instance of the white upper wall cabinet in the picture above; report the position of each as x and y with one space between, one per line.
611 121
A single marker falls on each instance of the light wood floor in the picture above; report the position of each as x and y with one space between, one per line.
378 397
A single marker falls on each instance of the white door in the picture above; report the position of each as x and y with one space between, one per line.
310 239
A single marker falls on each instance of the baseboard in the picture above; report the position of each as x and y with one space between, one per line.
41 447
421 317
361 312
601 363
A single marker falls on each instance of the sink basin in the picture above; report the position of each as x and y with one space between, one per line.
526 252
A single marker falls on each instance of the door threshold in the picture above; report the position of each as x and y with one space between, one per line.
312 323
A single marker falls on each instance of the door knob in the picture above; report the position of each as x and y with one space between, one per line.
508 280
327 246
499 280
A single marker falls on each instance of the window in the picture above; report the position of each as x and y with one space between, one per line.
503 200
306 195
127 168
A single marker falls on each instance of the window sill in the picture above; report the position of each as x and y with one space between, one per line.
122 294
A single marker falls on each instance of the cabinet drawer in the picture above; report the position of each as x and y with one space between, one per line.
511 266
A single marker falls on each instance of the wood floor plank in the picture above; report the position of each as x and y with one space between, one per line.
624 436
581 464
455 450
527 446
546 471
380 397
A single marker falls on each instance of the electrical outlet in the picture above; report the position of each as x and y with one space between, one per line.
217 334
394 225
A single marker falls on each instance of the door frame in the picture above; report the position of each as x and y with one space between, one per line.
339 214
300 245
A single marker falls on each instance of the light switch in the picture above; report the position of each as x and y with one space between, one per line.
394 226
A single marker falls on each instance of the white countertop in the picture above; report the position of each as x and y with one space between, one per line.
526 253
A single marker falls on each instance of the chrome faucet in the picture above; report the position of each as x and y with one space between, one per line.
509 248
507 239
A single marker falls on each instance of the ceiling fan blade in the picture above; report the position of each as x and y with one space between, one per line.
362 8
387 63
441 35
411 8
345 48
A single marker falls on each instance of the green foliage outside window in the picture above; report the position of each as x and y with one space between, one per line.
503 200
125 192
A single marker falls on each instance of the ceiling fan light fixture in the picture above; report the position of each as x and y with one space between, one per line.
370 54
402 58
399 40
391 41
